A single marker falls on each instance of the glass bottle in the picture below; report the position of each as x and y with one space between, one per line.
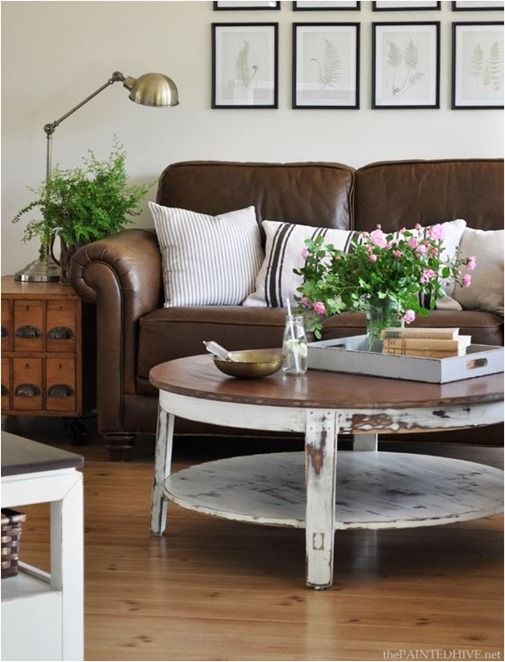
294 346
381 314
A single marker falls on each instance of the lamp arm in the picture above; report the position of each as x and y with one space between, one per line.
117 77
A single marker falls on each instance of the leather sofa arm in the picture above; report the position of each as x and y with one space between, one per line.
122 275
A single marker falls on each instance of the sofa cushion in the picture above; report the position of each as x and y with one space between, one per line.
402 193
308 193
207 260
486 290
170 333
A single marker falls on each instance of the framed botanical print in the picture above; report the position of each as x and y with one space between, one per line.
409 5
244 65
244 5
406 65
325 5
477 5
326 65
477 65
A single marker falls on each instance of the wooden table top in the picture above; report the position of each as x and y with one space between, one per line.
19 290
23 456
197 376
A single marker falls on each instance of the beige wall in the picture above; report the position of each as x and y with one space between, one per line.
55 53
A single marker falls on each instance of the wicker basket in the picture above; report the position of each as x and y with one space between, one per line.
12 525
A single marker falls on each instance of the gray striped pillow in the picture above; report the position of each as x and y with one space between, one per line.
207 260
276 281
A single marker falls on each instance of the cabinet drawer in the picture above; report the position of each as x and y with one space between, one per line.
6 383
27 384
61 326
29 326
6 325
60 385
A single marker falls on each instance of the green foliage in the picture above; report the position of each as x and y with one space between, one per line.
379 268
84 204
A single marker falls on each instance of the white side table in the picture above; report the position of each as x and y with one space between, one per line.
42 614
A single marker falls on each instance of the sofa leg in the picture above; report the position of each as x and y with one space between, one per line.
119 446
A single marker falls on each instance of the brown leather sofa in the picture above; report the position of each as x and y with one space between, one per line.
122 273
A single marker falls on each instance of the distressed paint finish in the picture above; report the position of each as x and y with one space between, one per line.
321 439
374 490
162 465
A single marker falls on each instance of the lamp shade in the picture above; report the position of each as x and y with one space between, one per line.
152 90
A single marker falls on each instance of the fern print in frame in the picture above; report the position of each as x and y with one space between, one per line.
477 65
406 65
244 65
326 65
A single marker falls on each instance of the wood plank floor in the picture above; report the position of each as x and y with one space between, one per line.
219 590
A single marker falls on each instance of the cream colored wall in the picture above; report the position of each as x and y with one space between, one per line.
55 53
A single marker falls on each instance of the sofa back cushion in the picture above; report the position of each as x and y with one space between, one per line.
402 193
318 194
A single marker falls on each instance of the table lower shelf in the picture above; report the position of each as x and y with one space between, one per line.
375 490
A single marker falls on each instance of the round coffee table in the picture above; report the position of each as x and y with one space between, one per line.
322 490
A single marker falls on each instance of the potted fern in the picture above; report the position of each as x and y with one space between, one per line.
83 204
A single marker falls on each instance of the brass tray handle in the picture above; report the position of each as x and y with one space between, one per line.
28 331
60 391
60 333
27 391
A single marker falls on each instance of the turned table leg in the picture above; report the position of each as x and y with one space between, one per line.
321 439
162 464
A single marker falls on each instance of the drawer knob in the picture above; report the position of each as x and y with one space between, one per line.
60 333
28 331
5 390
27 391
60 391
5 333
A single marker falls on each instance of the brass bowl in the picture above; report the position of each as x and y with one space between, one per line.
251 363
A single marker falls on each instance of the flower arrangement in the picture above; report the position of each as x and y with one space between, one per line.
386 271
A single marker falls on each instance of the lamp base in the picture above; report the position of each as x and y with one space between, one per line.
43 270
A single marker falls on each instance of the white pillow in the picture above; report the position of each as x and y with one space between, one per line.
486 290
284 244
207 260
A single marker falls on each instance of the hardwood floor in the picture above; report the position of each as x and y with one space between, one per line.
218 590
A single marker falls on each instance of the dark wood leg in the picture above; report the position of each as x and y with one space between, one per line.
119 446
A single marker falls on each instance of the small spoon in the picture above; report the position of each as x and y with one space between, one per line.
217 350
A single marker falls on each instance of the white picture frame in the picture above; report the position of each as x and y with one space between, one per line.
326 65
478 5
477 65
326 5
408 5
406 65
245 5
244 65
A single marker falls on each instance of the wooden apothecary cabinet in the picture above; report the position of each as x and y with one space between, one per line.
48 350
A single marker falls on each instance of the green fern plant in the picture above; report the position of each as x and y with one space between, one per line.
84 204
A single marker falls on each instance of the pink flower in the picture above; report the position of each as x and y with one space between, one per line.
372 257
397 254
413 242
436 232
319 308
421 249
305 302
378 238
418 227
305 252
409 316
434 251
472 263
427 275
467 280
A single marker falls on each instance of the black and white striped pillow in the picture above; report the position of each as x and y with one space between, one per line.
207 260
276 281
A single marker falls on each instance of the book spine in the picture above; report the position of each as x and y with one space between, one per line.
442 333
425 353
425 343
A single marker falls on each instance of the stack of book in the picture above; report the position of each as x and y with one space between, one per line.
436 343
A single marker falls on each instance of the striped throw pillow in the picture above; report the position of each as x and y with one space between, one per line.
276 281
207 260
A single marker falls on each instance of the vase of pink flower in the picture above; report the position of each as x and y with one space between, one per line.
388 276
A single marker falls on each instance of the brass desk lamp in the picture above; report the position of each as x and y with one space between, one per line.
148 90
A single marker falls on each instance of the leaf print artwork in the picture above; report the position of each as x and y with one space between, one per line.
245 72
494 67
404 66
488 70
329 65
